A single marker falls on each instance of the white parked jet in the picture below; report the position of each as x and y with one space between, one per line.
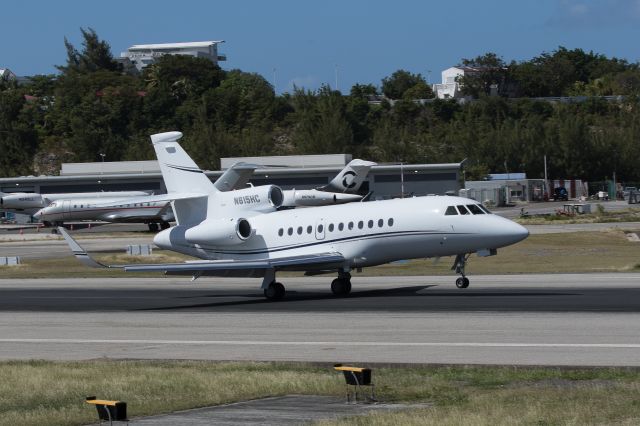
30 202
342 189
153 210
241 233
156 209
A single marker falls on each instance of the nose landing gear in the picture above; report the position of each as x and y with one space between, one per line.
458 266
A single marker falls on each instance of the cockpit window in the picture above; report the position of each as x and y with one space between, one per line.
475 209
451 211
463 210
486 210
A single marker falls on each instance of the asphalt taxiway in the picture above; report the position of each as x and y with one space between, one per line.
554 319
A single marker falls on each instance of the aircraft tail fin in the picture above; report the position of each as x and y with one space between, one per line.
179 171
350 178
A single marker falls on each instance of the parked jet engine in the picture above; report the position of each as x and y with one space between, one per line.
313 197
21 201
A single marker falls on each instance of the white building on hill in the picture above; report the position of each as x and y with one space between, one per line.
142 55
6 74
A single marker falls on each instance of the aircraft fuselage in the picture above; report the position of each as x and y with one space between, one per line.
366 234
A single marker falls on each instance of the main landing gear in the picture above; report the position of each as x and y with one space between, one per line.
458 266
274 290
154 227
341 286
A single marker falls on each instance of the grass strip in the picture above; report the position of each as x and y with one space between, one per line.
599 215
46 392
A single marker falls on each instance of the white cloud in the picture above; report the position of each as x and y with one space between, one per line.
596 13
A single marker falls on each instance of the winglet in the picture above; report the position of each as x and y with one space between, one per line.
80 253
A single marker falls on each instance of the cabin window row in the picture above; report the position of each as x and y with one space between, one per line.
333 227
75 206
466 209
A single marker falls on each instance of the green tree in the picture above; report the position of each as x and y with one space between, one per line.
484 72
95 55
395 86
420 90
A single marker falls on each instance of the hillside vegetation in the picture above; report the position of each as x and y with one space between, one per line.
93 106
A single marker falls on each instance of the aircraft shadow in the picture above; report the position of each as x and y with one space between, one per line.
294 297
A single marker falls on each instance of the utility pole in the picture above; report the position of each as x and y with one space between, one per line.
546 181
274 80
401 180
337 87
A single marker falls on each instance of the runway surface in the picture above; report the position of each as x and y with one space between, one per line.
579 319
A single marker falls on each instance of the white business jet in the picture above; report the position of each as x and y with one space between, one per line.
242 234
31 202
342 189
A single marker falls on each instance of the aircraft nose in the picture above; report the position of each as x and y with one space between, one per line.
507 232
519 232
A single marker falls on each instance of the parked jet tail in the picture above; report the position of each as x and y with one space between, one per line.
235 177
180 172
350 178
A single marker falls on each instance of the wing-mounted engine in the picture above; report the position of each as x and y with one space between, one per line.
260 199
230 231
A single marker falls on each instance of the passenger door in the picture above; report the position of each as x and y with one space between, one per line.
66 207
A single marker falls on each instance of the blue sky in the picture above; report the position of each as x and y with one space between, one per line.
306 41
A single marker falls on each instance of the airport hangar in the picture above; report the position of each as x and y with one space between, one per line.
288 172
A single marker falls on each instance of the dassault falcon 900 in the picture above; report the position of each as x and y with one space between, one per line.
243 234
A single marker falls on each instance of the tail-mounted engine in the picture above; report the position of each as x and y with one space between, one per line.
220 232
262 199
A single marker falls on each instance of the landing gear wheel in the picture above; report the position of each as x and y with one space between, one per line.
340 287
153 227
165 225
275 291
462 282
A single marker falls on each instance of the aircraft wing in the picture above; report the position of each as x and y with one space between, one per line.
215 267
312 261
